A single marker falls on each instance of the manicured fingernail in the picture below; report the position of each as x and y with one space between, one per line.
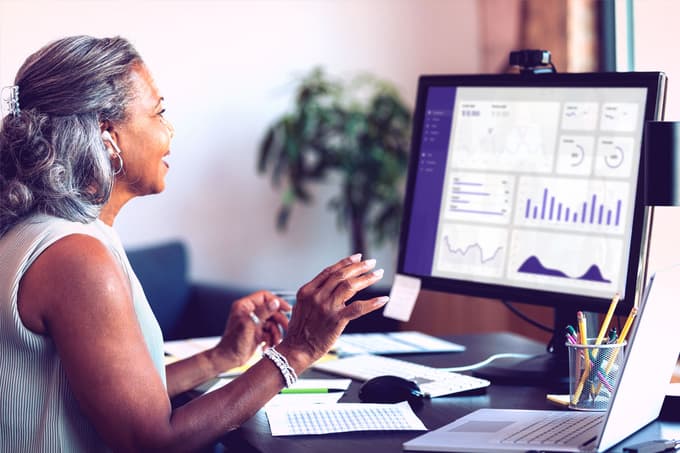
370 263
274 304
382 300
355 258
379 273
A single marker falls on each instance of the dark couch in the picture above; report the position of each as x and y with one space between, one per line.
187 309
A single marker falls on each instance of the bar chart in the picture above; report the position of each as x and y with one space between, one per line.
588 212
573 204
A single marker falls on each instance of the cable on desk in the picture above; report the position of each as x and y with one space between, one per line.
488 360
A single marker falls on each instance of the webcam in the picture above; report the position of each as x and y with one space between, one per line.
532 61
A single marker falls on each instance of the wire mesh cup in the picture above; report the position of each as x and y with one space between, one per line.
593 373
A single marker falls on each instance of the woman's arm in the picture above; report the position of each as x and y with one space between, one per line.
76 293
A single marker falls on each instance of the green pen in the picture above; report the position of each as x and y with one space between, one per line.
300 391
572 331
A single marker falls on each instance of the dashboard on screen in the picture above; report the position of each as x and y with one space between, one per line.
529 188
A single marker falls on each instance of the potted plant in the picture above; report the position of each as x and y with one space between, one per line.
359 130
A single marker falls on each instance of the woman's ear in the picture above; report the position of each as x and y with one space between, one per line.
105 126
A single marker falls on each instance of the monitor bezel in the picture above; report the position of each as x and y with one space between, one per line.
654 82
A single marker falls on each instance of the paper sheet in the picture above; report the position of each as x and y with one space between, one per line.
403 297
181 349
337 418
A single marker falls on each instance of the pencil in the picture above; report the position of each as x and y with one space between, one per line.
583 334
607 318
620 340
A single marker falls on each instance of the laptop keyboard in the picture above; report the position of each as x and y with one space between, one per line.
556 430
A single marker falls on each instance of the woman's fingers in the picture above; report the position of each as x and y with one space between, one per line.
348 288
272 333
318 281
347 281
263 304
359 308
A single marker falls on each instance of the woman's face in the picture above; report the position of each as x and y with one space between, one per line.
144 138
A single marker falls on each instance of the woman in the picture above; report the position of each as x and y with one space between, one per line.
81 361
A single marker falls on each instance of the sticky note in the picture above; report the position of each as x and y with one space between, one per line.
405 290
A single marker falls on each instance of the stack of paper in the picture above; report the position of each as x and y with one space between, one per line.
338 418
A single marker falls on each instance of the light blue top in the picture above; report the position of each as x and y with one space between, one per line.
38 411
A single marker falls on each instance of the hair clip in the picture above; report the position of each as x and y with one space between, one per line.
10 99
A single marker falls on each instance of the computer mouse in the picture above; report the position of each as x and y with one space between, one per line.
391 389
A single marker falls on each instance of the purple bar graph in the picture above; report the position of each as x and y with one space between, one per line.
589 212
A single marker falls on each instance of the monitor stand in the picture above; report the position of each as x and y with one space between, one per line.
550 370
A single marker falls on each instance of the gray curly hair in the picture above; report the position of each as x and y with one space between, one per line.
52 157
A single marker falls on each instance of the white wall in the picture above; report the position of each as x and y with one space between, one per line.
655 38
226 70
656 35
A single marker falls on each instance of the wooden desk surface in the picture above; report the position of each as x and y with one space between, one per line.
254 435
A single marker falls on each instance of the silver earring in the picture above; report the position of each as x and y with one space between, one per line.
120 164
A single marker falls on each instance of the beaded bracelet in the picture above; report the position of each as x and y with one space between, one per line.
282 364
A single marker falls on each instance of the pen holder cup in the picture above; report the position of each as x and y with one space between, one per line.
593 373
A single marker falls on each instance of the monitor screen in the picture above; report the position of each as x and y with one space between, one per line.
528 188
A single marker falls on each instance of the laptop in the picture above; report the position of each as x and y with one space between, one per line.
651 355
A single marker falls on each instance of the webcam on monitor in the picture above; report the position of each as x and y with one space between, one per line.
532 61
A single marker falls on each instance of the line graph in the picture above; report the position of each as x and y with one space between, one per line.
473 253
471 250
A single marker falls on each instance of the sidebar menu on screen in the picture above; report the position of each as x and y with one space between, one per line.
429 180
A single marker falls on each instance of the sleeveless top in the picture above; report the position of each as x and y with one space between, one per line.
38 411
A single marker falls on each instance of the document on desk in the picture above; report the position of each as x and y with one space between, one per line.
182 349
404 342
339 418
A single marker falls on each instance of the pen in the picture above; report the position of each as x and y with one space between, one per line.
571 339
302 391
572 331
613 335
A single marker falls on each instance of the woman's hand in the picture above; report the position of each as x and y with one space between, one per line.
321 311
253 320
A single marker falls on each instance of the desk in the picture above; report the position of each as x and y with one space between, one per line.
254 435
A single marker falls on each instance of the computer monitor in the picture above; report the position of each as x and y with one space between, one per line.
528 188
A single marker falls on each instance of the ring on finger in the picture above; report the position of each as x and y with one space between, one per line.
254 317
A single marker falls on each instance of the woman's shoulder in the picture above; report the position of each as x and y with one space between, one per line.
41 231
35 234
73 270
45 229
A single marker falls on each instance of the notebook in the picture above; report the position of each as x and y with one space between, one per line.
650 360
